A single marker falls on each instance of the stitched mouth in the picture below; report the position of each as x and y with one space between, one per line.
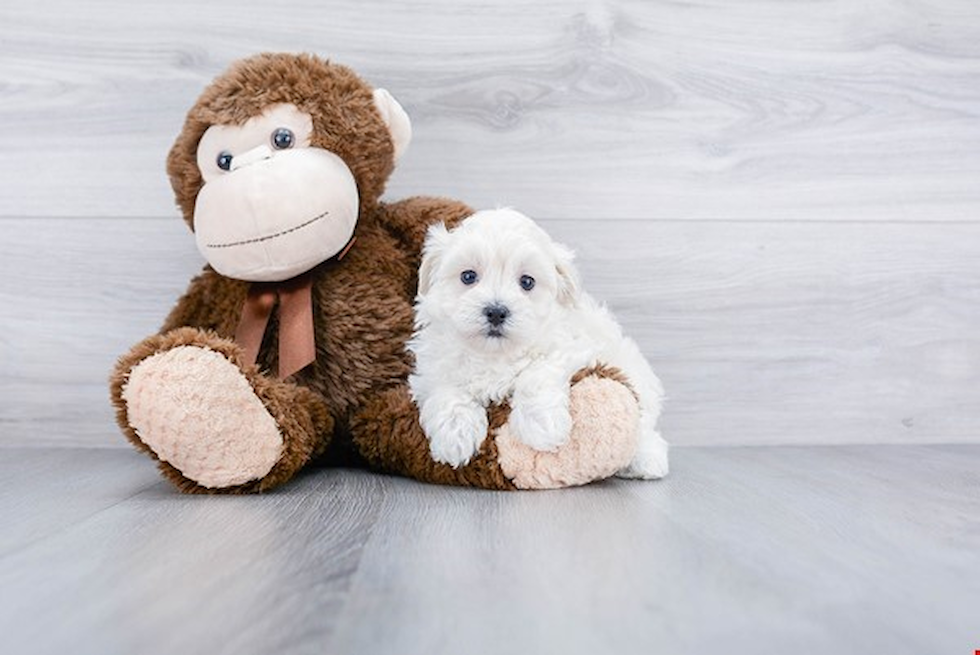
269 236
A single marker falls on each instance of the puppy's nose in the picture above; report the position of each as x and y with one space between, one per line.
496 314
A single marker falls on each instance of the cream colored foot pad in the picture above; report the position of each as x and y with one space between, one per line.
198 412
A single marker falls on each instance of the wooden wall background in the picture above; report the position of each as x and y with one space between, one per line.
781 199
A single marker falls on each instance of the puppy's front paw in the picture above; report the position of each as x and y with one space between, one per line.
544 422
650 461
455 433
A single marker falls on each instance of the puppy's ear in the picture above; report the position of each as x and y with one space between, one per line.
568 282
435 244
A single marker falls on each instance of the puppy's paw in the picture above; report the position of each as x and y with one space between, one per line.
542 422
455 433
651 460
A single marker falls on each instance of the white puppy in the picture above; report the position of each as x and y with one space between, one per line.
500 316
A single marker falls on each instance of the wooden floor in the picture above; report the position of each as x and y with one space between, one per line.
823 550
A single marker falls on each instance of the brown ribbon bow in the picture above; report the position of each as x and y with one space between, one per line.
297 341
297 345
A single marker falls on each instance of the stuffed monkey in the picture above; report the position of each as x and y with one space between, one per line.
289 347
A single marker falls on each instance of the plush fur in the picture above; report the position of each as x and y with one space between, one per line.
501 316
345 120
352 405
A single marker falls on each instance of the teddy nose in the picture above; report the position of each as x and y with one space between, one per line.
496 314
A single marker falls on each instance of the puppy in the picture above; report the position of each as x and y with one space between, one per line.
500 316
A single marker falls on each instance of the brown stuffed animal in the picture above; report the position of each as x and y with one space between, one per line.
278 171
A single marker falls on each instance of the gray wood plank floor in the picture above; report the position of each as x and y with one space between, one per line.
847 549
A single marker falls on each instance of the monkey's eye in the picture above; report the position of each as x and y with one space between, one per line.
527 282
283 138
224 160
468 277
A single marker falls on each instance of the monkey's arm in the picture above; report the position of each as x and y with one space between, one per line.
603 439
410 218
211 302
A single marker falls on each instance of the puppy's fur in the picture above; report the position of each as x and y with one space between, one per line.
482 336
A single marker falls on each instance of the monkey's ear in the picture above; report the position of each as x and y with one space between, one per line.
399 126
435 243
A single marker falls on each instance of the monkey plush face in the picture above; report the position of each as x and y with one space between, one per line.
279 159
272 206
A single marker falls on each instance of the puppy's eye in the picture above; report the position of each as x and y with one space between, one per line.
468 277
527 282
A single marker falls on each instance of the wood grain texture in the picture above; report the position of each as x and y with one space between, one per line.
761 109
65 487
72 309
175 575
762 332
844 550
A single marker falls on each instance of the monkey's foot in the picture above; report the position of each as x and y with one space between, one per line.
197 411
603 440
